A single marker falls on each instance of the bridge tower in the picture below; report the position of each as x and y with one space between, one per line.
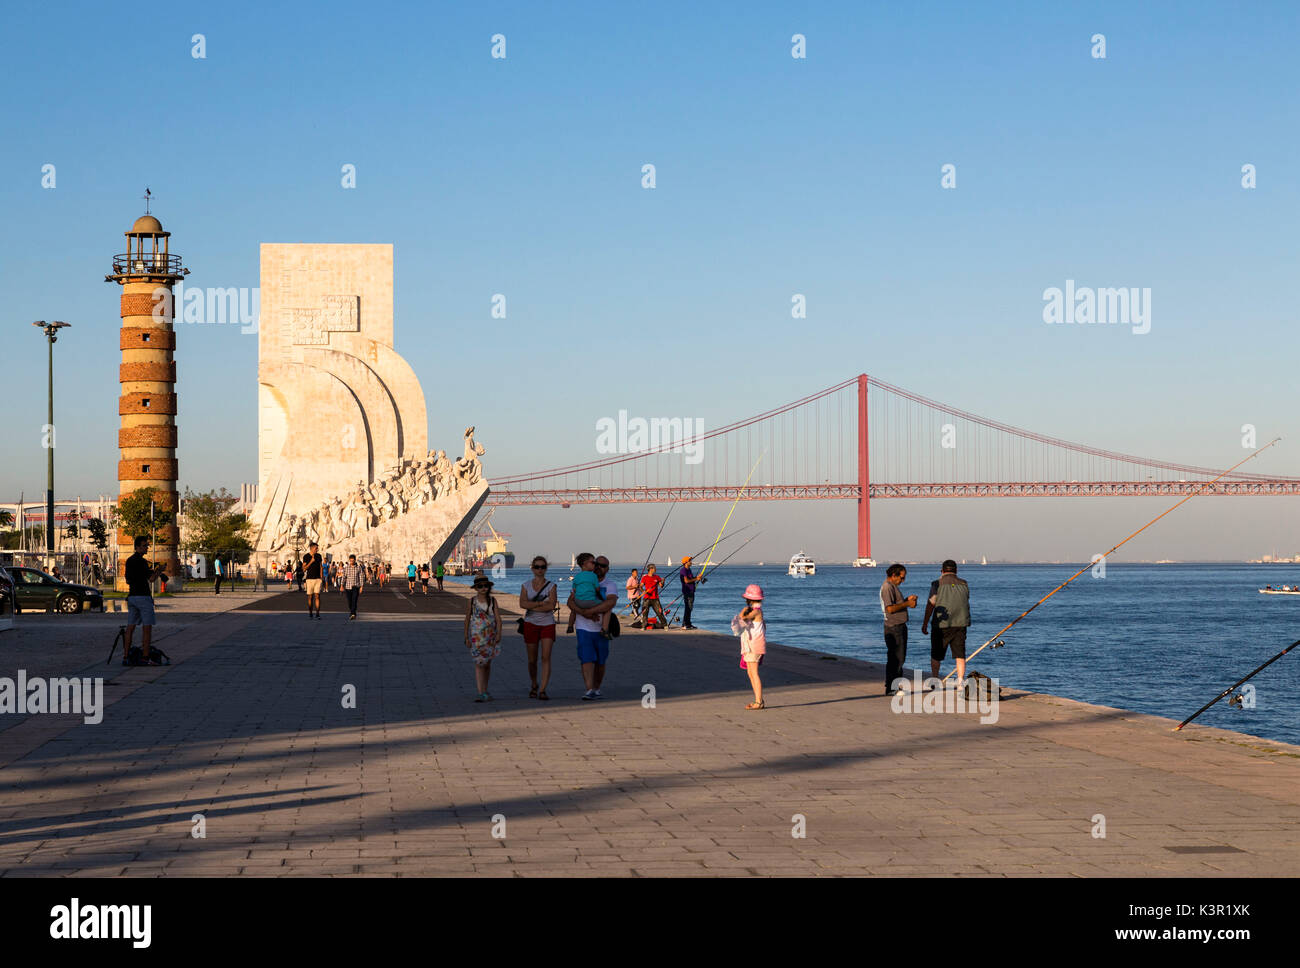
864 558
147 405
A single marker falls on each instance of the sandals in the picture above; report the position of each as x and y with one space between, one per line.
543 695
756 705
532 693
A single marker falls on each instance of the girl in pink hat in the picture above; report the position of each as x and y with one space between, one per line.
751 628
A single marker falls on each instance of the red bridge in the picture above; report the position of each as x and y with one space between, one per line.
820 448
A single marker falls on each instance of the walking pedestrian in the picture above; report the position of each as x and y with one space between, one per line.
650 585
297 573
217 574
311 571
410 577
438 572
689 581
752 629
482 634
353 578
537 597
895 606
424 577
593 648
950 604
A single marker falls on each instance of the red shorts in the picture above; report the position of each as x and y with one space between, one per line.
535 633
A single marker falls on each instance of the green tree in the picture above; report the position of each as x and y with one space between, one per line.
98 533
133 513
6 518
214 528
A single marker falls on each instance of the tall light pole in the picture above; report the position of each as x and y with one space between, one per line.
51 331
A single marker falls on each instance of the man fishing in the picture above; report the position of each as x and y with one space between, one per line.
949 606
689 581
650 584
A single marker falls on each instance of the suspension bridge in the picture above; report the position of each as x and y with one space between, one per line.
863 440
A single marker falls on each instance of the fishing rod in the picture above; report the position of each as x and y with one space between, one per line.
1235 685
739 495
996 642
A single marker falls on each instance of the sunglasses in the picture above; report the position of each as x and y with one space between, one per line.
535 567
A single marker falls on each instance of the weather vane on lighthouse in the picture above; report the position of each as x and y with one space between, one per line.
146 196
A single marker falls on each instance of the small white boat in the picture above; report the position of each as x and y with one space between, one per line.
1283 590
983 560
802 566
864 562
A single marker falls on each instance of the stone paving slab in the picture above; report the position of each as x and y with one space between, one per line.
248 729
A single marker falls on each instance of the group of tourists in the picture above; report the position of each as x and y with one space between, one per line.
334 572
947 617
591 606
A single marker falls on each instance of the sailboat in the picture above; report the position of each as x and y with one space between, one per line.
983 560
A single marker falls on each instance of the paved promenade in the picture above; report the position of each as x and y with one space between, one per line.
248 729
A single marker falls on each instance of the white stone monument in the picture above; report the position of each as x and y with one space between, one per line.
343 454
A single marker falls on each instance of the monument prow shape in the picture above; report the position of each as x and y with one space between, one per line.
343 456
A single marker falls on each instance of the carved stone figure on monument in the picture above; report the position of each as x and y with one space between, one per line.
469 468
339 529
310 531
283 532
384 505
360 516
444 473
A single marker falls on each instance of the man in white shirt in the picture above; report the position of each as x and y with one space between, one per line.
593 648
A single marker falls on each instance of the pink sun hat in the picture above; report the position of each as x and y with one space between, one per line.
753 594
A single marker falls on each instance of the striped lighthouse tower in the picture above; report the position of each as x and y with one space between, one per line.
147 407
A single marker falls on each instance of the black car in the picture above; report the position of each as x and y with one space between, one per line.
35 591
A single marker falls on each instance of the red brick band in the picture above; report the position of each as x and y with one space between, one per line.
156 372
147 469
154 436
141 304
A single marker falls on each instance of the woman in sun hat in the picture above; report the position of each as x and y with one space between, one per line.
752 629
482 634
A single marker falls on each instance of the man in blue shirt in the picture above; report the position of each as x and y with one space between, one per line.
217 574
689 581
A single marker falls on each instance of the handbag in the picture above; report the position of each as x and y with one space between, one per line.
537 598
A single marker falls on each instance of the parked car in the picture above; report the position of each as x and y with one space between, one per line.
36 591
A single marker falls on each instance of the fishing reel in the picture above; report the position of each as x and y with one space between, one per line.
1237 700
997 644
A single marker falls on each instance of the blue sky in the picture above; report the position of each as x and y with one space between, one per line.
819 176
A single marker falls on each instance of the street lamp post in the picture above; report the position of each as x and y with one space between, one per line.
51 331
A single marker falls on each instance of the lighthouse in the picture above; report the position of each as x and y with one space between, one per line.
146 437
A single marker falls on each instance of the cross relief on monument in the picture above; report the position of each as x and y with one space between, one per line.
312 326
